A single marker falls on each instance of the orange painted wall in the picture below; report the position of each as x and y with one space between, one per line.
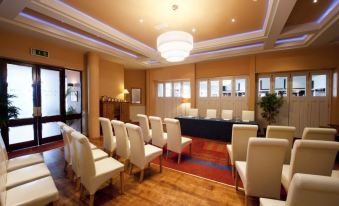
335 100
111 79
136 79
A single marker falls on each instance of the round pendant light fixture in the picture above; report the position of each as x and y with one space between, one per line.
175 46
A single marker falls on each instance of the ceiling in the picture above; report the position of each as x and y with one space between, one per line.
126 30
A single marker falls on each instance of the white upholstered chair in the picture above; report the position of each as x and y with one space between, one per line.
94 174
193 112
159 137
237 151
247 116
65 130
261 172
19 162
211 113
227 114
123 143
310 157
309 190
176 142
282 132
61 125
108 136
141 154
311 133
144 124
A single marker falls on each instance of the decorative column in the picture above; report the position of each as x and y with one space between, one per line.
93 95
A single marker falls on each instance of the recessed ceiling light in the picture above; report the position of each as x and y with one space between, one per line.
233 20
255 0
141 20
315 1
194 30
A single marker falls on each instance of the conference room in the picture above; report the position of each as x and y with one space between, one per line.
172 102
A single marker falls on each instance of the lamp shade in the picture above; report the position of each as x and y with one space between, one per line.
126 91
175 46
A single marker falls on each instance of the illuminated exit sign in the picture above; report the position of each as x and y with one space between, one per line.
39 52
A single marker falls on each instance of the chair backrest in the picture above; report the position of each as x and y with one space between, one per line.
313 190
282 132
108 136
3 172
144 124
211 113
193 112
123 143
265 158
61 125
3 148
137 145
75 153
241 133
173 134
66 135
86 161
227 114
311 133
247 115
313 157
157 131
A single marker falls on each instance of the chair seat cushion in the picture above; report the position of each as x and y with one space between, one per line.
98 154
39 192
335 173
285 176
151 152
241 169
185 141
24 161
270 202
92 146
26 174
108 166
230 153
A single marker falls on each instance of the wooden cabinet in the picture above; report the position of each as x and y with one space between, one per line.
115 110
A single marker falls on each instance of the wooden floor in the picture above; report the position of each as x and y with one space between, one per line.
167 188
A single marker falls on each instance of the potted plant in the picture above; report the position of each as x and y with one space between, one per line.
7 109
270 105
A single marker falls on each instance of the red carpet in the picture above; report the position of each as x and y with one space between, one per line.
209 160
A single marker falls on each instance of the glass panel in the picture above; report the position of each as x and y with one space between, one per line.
19 79
264 86
280 86
73 92
21 134
299 86
335 84
168 89
214 88
75 124
318 87
160 89
50 92
177 89
186 89
240 87
203 89
227 87
50 129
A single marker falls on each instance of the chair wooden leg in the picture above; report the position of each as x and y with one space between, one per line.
160 160
149 165
55 203
167 153
126 163
141 175
236 181
65 167
233 171
130 168
121 182
91 200
179 158
77 187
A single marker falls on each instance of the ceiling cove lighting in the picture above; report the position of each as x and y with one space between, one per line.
75 34
175 46
293 39
229 49
334 4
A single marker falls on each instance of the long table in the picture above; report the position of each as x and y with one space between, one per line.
209 128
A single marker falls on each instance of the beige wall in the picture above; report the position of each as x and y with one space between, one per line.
111 79
136 79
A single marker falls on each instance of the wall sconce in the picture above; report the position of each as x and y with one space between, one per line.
125 93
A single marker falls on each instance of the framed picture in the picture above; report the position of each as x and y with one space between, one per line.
136 96
74 96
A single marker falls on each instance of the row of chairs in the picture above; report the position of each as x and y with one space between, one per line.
225 114
25 180
172 138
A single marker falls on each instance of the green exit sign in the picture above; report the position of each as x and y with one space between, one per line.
38 52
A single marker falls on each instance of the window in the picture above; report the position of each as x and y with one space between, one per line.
160 90
280 86
299 86
177 89
73 92
214 88
186 89
240 87
203 88
335 84
168 89
227 87
264 86
318 87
